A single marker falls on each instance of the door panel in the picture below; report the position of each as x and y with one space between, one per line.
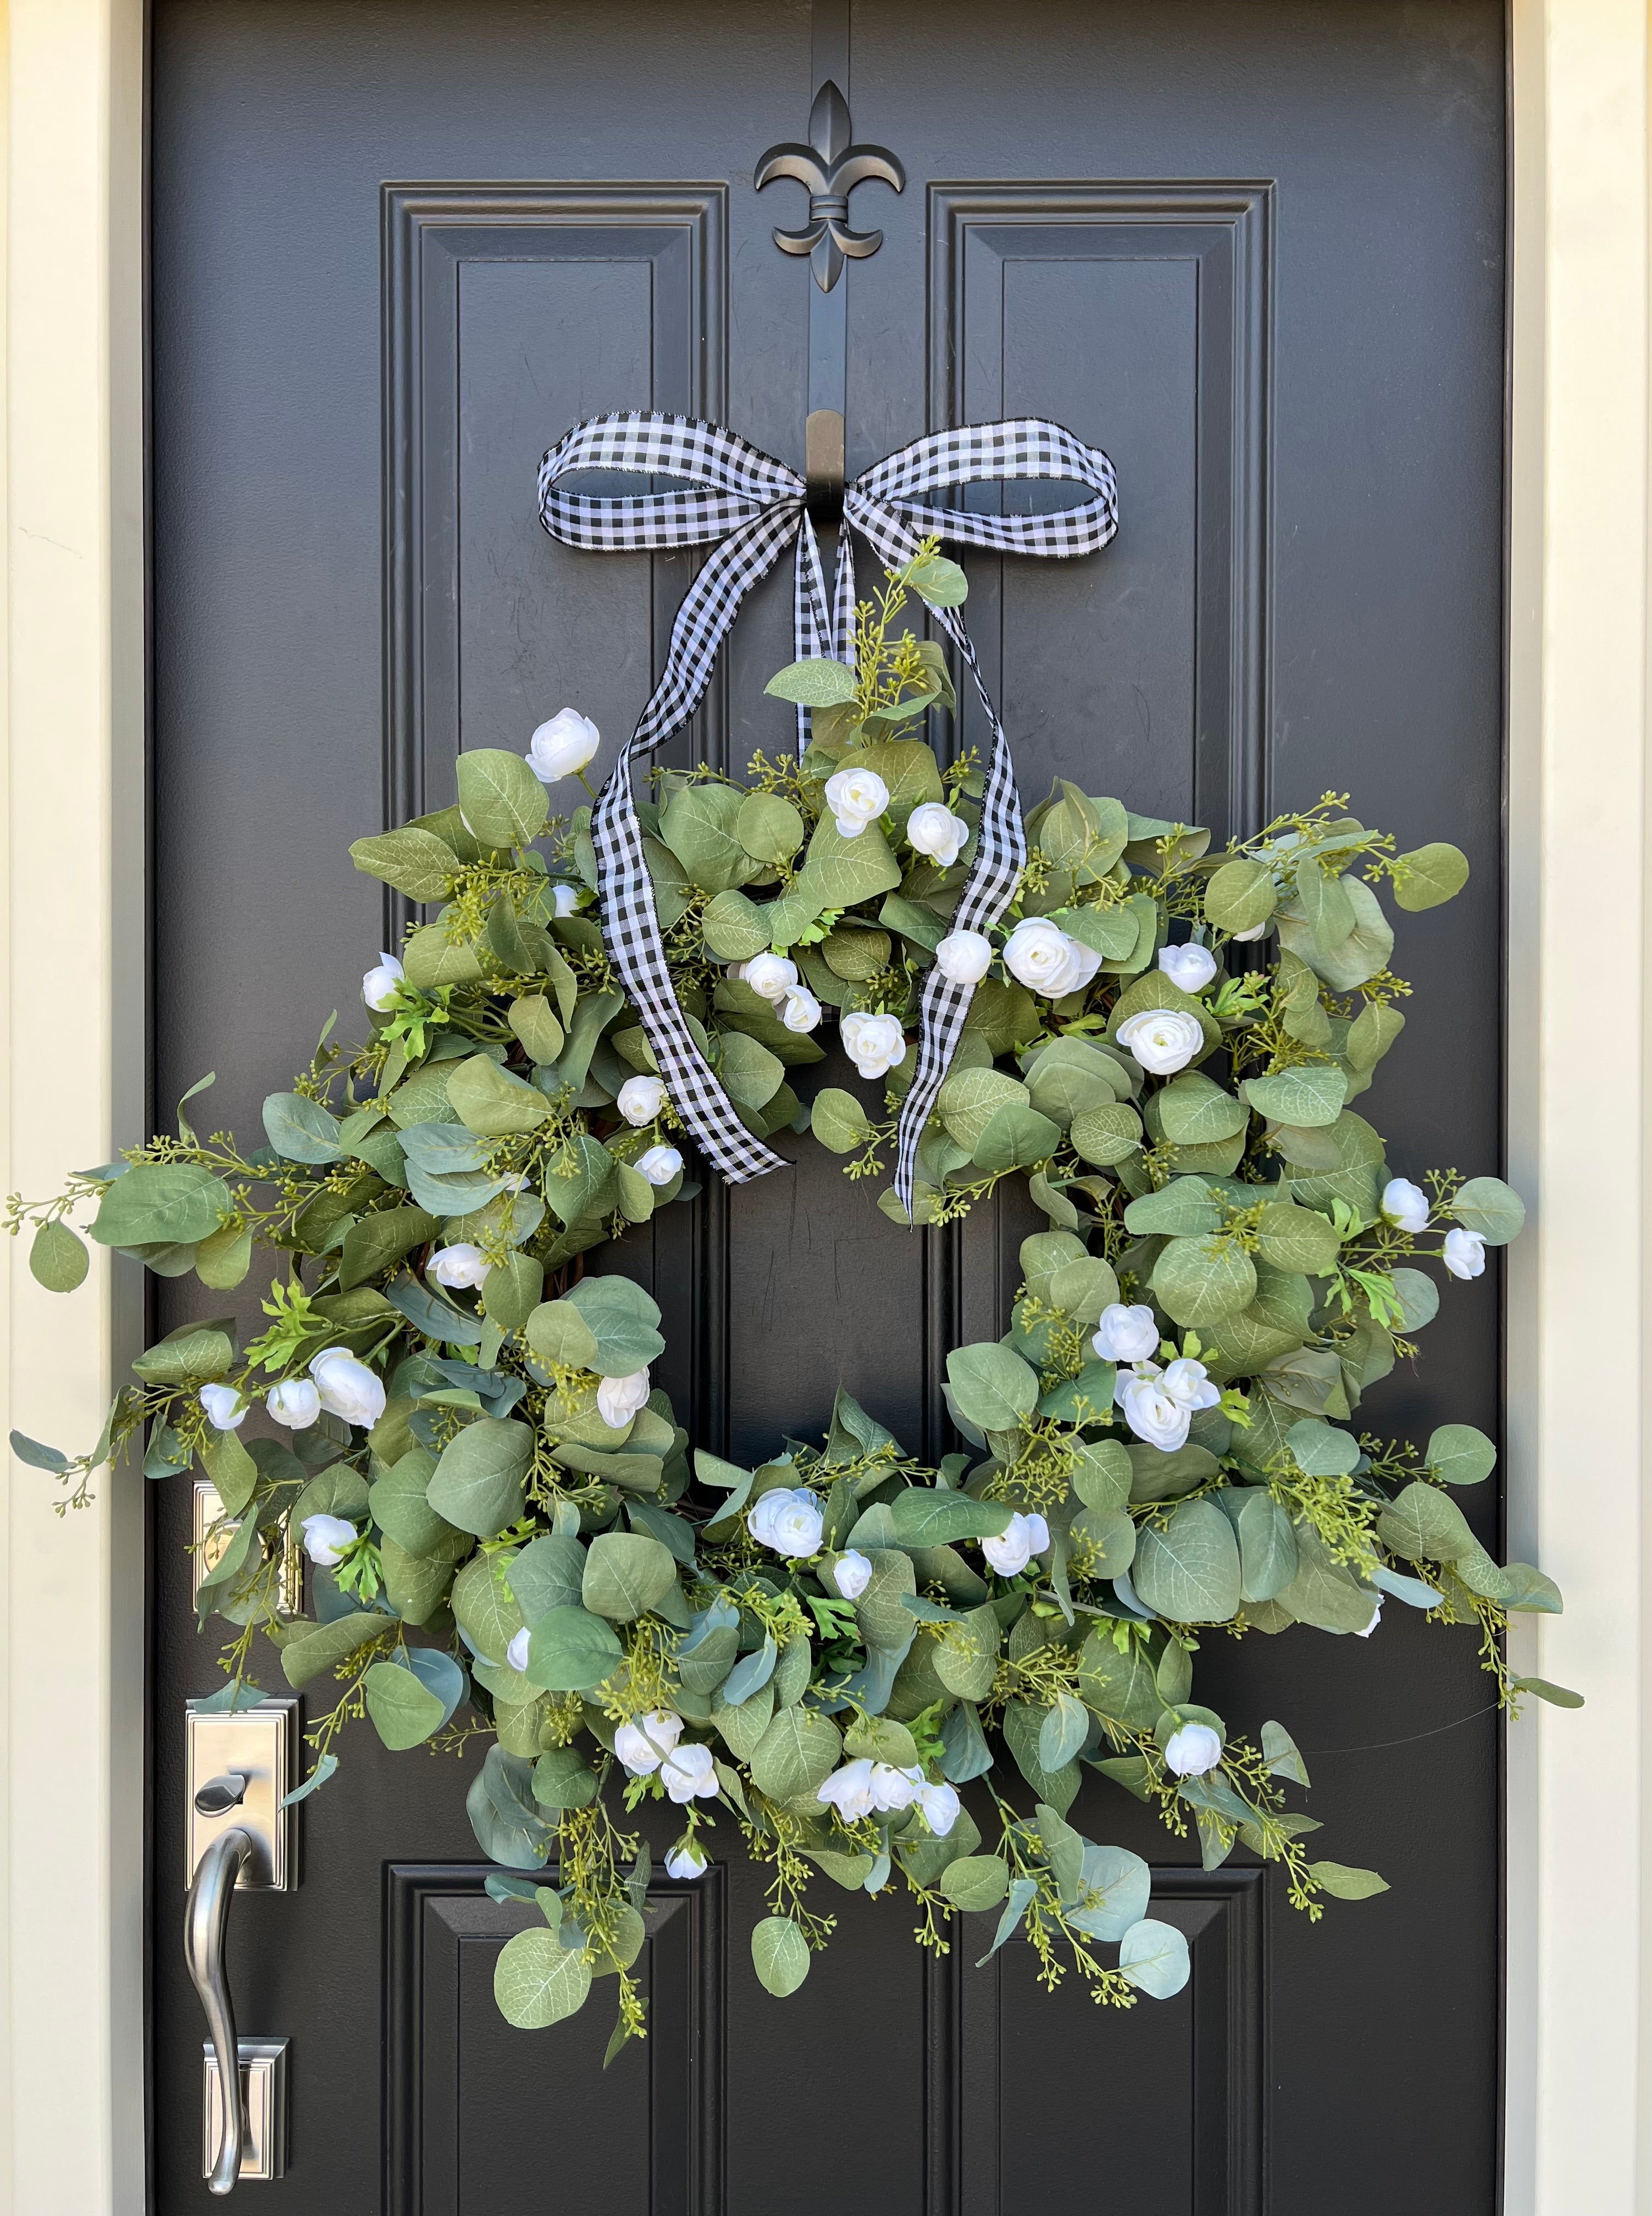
1256 253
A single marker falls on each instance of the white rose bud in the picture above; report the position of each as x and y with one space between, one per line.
852 1574
685 1859
562 746
644 1746
517 1651
933 829
640 1099
460 1267
564 899
1126 1334
1405 1204
325 1539
659 1164
1465 1253
1040 956
294 1402
1151 1412
770 976
856 797
1189 1387
1191 967
1193 1749
963 957
689 1771
939 1805
801 1012
618 1399
1256 930
1162 1039
873 1043
379 985
347 1388
226 1411
789 1522
891 1788
1012 1549
849 1790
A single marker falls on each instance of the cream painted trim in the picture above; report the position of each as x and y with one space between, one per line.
71 680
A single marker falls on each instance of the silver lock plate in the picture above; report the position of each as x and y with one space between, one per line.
263 2088
214 1531
261 1744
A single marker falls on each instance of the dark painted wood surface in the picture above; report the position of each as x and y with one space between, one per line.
1254 251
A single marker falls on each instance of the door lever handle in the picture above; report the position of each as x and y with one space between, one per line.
211 1892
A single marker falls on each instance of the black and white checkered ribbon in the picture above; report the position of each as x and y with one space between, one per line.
753 508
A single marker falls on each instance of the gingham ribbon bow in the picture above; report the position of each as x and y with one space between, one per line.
753 508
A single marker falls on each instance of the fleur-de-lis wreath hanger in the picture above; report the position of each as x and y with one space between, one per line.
831 168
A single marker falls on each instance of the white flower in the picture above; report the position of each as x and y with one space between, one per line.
378 986
659 1164
873 1043
1465 1253
225 1409
325 1538
1189 1387
294 1402
963 957
856 797
1126 1334
516 1651
640 1099
1150 1410
347 1388
685 1861
564 899
562 746
863 1786
933 829
1376 1618
1040 955
618 1398
939 1804
1405 1204
791 1522
1162 1039
1191 967
1013 1549
1255 932
689 1771
644 1746
802 1010
852 1574
459 1266
771 975
1193 1749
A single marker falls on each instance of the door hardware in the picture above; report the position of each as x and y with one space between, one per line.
214 1531
239 1768
263 2101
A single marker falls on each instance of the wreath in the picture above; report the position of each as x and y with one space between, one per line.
513 1539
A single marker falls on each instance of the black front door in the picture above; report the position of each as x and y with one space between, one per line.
1254 252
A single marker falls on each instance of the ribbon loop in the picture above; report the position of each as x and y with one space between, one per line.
751 507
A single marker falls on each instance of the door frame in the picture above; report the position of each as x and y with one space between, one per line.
73 698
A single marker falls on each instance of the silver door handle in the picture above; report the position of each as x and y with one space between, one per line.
211 1892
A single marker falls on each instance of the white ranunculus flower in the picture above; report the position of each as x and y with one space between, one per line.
685 1861
1189 1387
1465 1253
659 1164
1162 1039
562 746
618 1398
892 1788
294 1402
644 1744
1014 1547
788 1520
1126 1334
1405 1204
1039 955
564 899
690 1771
1256 930
1376 1618
849 1790
771 975
1191 967
641 1099
939 1804
516 1650
460 1267
226 1411
856 797
963 957
800 1011
378 986
347 1388
933 829
1150 1412
852 1574
325 1538
1193 1749
873 1043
